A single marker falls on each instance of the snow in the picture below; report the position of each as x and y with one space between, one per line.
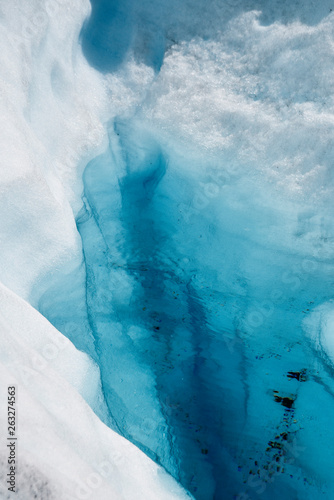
64 450
48 125
168 172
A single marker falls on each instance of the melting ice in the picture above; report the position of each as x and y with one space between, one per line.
197 266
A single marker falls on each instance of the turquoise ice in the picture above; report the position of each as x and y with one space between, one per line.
207 240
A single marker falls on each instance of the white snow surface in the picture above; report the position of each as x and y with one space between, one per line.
51 118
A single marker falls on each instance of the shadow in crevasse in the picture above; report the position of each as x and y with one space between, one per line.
157 329
148 28
115 27
106 35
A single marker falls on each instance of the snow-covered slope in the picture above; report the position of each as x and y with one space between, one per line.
63 451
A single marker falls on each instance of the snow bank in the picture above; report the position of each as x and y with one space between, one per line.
241 106
50 108
64 450
257 99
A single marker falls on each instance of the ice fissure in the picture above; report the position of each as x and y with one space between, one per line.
188 370
142 334
145 336
207 241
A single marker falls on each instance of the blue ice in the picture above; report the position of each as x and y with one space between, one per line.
203 366
192 313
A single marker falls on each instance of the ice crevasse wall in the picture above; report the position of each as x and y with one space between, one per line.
53 107
216 123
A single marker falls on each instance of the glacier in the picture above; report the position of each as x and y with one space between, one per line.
166 205
49 130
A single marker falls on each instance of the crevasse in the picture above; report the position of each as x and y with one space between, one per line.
48 127
207 239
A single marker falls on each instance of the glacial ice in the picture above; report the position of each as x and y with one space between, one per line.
53 108
171 192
